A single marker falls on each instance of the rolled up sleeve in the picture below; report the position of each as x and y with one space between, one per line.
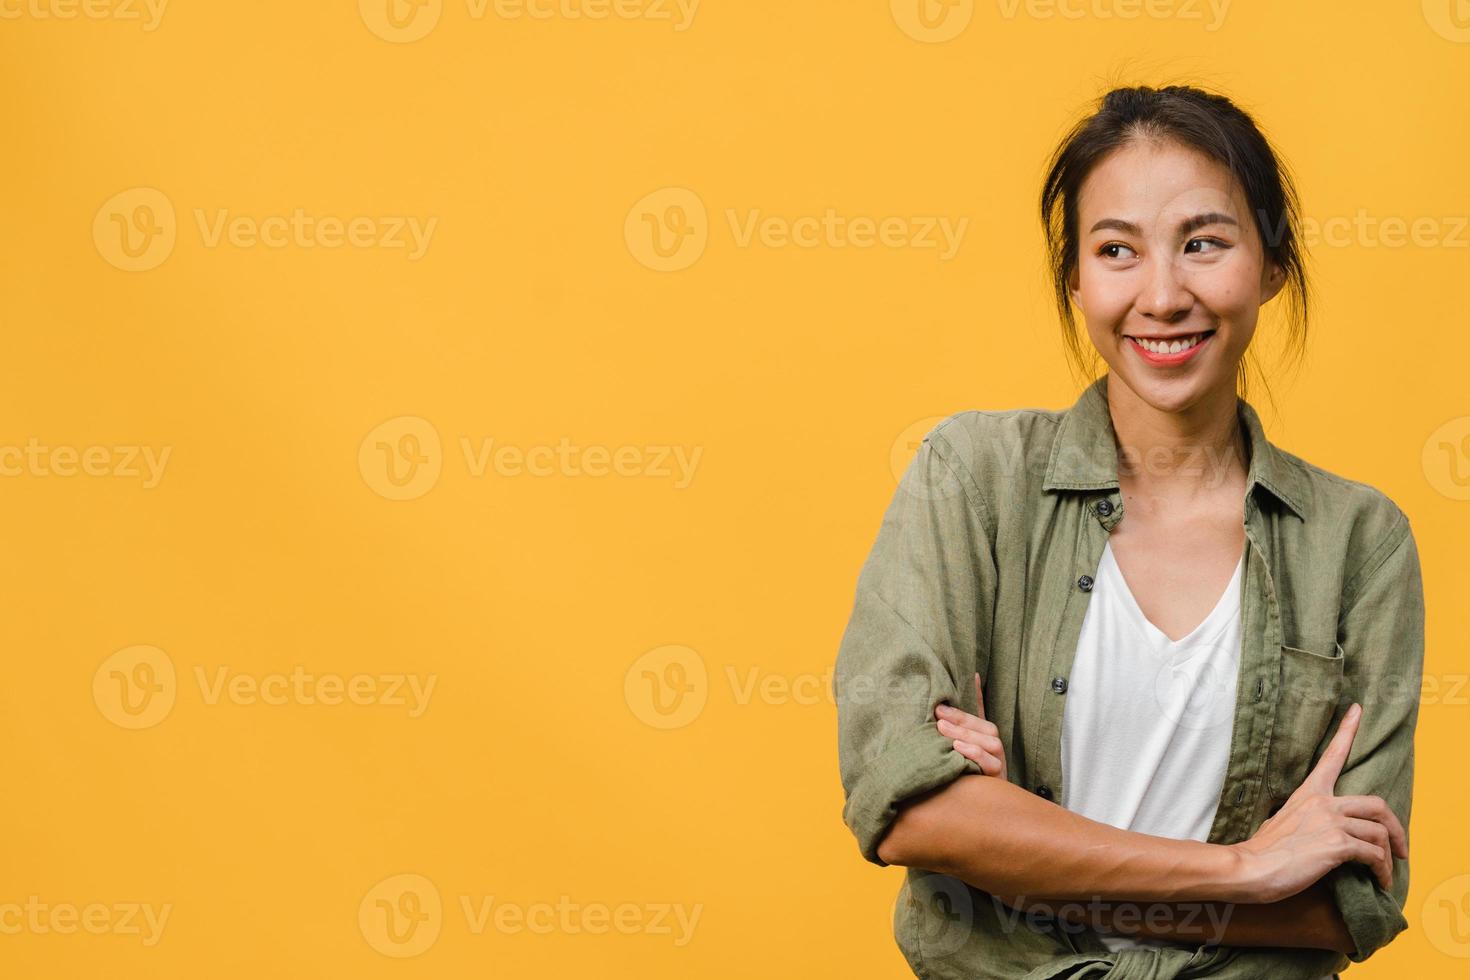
1382 636
919 622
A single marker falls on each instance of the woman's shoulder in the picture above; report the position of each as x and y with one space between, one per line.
1002 450
1362 522
1341 495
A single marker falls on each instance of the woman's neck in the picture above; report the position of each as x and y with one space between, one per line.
1177 454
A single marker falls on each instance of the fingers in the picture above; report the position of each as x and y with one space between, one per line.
984 740
1376 834
974 737
991 765
1371 855
966 721
1376 809
1323 776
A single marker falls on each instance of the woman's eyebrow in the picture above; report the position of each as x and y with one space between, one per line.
1185 227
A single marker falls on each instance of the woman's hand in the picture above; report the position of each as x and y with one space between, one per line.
1314 831
974 737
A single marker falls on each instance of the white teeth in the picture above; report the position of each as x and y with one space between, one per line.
1168 346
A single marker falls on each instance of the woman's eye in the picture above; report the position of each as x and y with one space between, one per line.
1214 243
1111 250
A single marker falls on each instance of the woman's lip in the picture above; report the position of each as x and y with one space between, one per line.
1168 360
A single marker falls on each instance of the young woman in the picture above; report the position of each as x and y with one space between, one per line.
1130 690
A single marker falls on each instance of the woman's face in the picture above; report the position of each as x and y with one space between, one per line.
1169 258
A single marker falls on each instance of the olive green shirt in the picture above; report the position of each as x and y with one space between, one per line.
984 562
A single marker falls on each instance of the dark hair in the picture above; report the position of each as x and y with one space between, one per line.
1202 121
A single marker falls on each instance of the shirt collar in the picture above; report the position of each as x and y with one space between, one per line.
1085 456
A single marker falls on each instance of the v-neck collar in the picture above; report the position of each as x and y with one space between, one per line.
1207 629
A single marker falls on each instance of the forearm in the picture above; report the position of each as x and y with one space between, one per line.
1309 920
1001 839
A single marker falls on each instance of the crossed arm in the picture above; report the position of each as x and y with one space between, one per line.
997 837
1268 891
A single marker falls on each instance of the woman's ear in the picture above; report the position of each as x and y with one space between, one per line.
1272 282
1073 287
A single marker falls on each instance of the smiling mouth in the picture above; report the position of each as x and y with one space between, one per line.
1171 345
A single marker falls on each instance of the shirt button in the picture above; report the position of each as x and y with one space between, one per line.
1085 583
1059 684
1104 508
1044 791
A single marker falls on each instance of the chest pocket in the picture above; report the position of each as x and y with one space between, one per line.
1311 687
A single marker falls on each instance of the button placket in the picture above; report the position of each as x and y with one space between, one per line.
1269 670
1264 662
1092 530
1255 705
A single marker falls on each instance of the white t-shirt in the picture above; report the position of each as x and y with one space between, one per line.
1146 729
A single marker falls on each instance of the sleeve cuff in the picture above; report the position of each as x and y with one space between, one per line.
911 765
1372 915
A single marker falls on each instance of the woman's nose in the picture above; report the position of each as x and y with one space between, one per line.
1164 295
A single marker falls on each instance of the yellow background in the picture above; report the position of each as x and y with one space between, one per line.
540 772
